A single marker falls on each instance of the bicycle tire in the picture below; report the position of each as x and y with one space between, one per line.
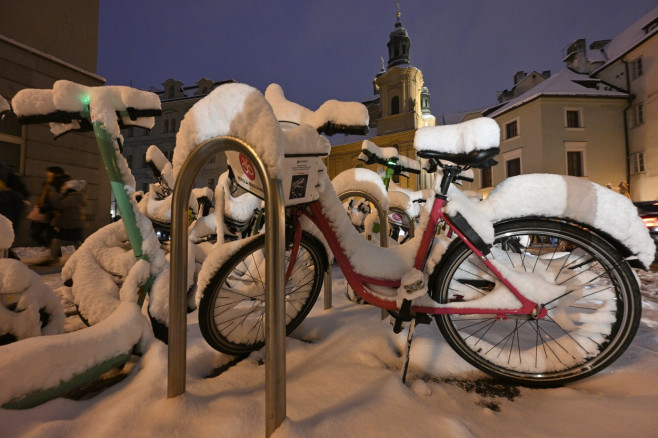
232 321
587 327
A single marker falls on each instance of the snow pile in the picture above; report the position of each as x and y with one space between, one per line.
44 362
234 110
24 298
155 156
363 180
6 233
462 138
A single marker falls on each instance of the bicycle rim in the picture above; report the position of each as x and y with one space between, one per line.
591 296
232 309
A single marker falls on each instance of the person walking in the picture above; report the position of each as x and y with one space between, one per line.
68 218
41 229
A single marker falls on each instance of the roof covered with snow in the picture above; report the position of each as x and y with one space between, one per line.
566 82
643 29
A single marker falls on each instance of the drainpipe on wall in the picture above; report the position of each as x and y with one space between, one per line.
628 107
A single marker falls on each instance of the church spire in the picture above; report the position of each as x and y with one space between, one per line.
398 44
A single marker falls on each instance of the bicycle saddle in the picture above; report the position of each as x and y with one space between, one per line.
472 143
330 118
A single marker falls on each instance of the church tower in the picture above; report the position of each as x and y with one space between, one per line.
401 106
404 100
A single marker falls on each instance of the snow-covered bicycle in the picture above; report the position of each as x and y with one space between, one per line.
533 285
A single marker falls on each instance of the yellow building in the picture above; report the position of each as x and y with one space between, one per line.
402 107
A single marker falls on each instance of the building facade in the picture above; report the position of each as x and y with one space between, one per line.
631 64
37 49
176 100
594 119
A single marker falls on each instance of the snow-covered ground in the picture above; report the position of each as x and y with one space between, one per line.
343 379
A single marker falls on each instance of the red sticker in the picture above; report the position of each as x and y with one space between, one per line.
247 167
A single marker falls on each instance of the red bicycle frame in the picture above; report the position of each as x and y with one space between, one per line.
358 281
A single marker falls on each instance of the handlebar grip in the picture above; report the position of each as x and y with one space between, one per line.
54 117
331 129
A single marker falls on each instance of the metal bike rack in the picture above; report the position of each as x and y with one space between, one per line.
383 236
275 328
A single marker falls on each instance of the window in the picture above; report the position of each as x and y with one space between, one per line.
211 183
486 178
11 142
213 159
395 105
513 167
575 163
145 187
637 114
573 118
575 158
636 68
129 160
637 163
511 129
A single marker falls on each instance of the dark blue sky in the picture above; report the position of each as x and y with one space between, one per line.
319 50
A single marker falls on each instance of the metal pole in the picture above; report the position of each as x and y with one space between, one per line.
327 288
275 327
275 378
383 237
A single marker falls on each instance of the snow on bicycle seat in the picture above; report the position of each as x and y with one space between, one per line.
62 106
330 118
471 143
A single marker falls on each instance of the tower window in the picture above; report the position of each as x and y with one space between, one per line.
395 105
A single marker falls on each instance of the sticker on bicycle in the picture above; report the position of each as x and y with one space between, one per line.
247 167
245 173
300 179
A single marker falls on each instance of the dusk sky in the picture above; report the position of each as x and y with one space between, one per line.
319 50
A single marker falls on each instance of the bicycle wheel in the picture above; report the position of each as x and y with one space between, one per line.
232 307
590 293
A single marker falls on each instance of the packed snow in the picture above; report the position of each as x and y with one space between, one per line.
343 379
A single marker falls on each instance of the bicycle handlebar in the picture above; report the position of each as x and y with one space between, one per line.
332 117
73 107
389 157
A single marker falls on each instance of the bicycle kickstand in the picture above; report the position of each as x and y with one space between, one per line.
407 349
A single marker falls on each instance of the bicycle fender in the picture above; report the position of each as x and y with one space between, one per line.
572 199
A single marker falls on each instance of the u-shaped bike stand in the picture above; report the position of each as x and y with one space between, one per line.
275 328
